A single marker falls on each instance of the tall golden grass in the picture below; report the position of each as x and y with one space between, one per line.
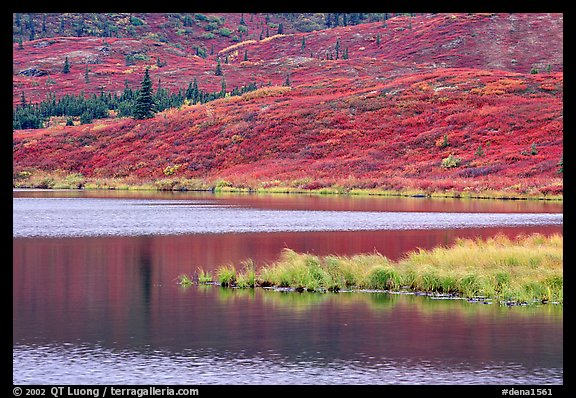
525 269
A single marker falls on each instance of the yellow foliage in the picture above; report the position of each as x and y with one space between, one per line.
236 46
270 38
266 92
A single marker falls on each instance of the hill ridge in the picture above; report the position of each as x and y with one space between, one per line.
432 113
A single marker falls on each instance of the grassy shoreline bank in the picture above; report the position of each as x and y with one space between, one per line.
58 180
524 270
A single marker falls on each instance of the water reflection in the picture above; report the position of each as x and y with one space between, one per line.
219 336
68 217
101 310
315 202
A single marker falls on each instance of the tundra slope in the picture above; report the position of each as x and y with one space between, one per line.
432 106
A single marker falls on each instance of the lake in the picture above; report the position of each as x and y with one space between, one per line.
96 299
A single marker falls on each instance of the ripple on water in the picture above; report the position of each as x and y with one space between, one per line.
95 365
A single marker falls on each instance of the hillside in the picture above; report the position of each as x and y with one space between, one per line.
465 103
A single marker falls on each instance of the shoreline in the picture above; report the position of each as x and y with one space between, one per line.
57 181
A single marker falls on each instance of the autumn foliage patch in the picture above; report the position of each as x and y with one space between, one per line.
460 119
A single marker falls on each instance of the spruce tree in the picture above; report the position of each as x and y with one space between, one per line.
31 27
223 88
195 92
66 68
218 71
144 107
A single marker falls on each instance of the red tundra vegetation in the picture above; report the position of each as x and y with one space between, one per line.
462 104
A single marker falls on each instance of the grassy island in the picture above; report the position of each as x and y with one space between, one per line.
526 269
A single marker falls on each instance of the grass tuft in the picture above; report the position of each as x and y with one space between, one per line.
226 275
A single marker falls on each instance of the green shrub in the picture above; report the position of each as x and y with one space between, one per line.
75 181
136 21
451 161
223 31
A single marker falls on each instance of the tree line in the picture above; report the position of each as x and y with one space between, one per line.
140 103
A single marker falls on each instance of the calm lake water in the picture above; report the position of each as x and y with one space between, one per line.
95 298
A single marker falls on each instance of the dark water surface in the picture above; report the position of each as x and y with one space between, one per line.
95 299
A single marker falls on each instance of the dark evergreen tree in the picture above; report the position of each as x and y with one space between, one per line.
222 92
31 27
66 68
26 117
79 29
127 94
192 93
218 71
86 117
62 26
336 18
195 92
188 21
144 106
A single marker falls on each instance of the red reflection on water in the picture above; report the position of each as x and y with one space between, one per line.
319 202
52 274
122 292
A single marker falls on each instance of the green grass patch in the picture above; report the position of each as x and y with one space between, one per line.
526 269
